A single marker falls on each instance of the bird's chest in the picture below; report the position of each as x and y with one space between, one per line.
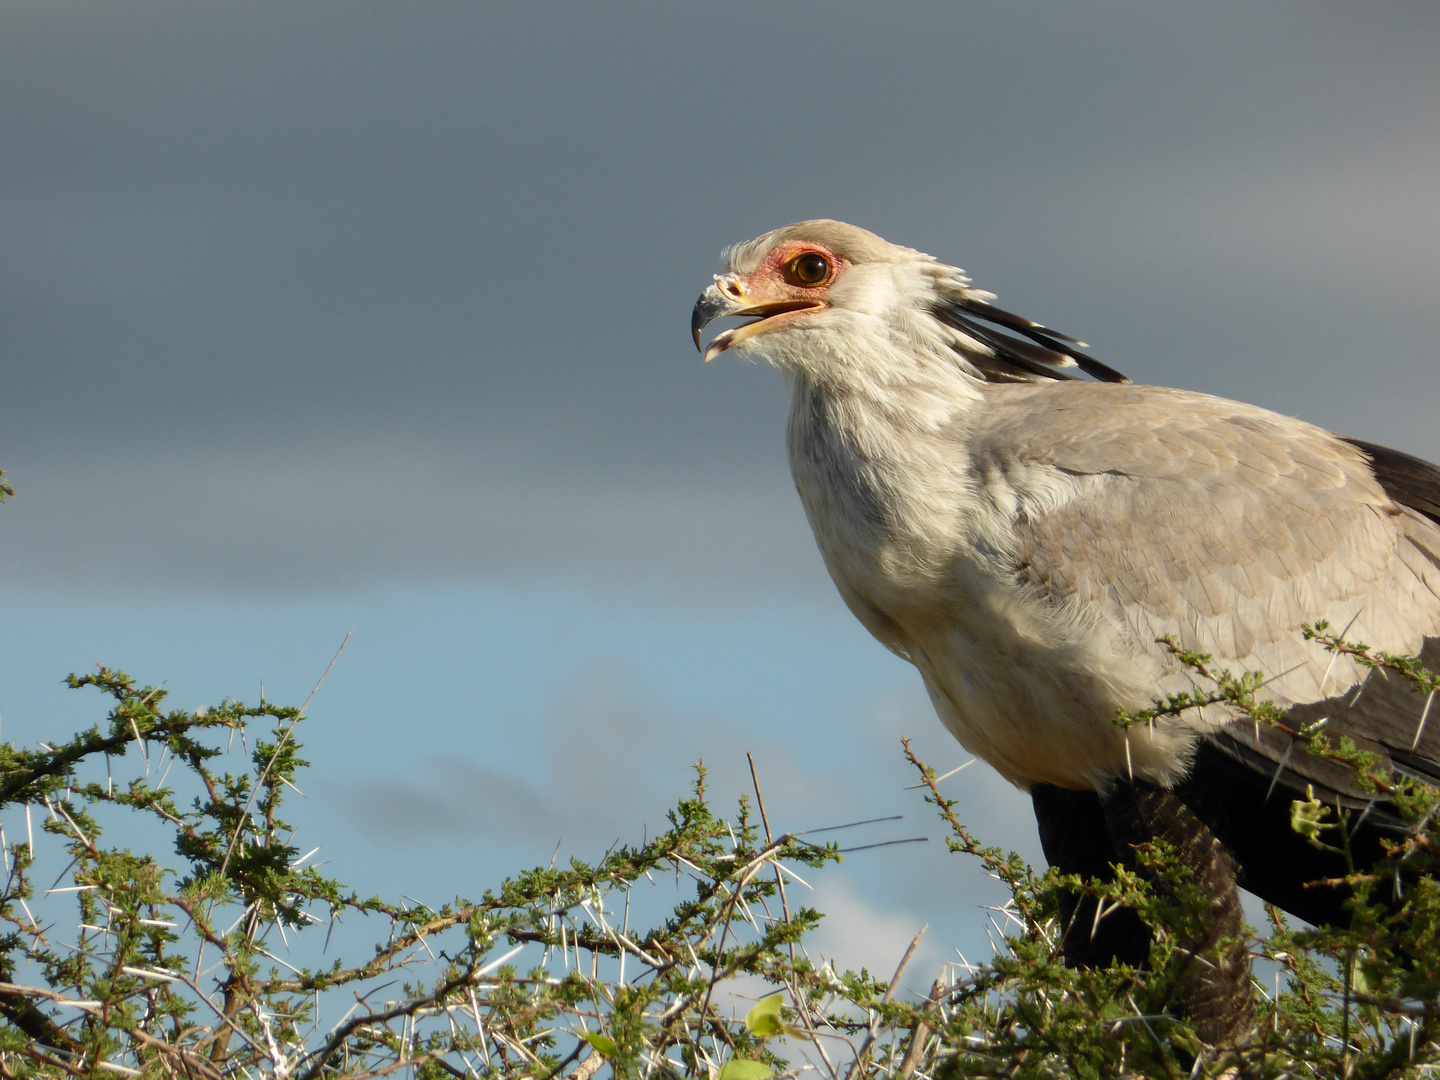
923 548
896 516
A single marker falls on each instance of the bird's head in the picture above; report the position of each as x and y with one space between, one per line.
819 290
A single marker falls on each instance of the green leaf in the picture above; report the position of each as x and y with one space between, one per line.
743 1069
764 1018
602 1043
1307 816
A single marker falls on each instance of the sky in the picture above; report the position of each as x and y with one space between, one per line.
345 315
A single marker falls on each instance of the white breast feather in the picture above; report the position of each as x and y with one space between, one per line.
921 548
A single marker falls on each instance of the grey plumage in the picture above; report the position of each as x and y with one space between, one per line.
1023 537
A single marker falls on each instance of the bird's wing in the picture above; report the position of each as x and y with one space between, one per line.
1408 480
1229 527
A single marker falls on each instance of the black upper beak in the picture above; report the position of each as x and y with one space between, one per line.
713 304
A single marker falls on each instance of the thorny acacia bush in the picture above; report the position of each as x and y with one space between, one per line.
187 961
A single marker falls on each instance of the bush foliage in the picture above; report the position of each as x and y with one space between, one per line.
185 960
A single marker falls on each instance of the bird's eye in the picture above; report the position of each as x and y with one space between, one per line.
811 268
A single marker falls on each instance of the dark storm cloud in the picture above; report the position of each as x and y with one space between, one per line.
293 518
409 285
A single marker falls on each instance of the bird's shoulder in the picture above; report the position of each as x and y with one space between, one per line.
1229 527
1221 523
1092 429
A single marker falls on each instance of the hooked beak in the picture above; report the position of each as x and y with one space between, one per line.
727 297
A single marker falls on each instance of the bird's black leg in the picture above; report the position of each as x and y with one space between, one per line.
1076 839
1216 993
1083 834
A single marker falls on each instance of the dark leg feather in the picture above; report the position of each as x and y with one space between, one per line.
1216 993
1253 822
1082 834
1076 840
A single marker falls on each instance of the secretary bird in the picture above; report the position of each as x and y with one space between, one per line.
1024 536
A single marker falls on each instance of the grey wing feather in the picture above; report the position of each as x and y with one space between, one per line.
1408 480
1229 527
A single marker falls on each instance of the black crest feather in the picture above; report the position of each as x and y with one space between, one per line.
1045 355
